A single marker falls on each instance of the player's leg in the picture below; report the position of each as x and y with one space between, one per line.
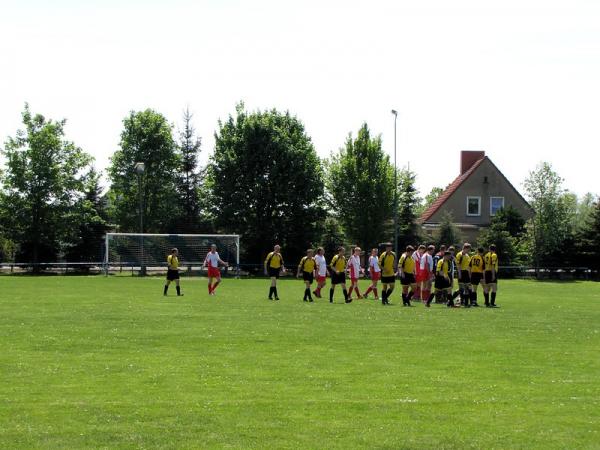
166 288
347 297
334 282
217 282
306 290
493 289
177 287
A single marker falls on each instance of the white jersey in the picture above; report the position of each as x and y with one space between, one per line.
427 262
374 264
321 265
212 259
354 266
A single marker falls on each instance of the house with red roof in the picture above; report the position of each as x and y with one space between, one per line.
474 197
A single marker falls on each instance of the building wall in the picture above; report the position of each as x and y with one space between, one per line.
475 185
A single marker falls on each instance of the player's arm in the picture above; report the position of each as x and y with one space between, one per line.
266 261
224 263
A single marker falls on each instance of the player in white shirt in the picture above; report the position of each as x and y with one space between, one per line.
212 262
426 275
354 270
375 272
417 257
321 271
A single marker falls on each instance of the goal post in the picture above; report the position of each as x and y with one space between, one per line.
149 251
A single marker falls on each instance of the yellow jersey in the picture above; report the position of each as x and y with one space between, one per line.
274 260
338 263
407 263
173 262
307 264
463 260
386 262
443 268
491 261
476 264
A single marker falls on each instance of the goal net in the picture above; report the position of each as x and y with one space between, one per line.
149 251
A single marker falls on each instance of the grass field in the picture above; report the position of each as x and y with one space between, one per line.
94 362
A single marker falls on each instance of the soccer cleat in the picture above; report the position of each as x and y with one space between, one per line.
474 305
349 300
310 300
305 300
276 298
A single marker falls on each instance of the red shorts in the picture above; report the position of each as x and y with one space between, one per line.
375 276
423 275
214 272
321 279
353 280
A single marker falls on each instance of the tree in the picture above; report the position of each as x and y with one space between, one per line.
588 239
408 201
147 138
549 229
361 183
42 183
431 197
87 238
189 179
266 183
497 233
332 236
512 219
447 233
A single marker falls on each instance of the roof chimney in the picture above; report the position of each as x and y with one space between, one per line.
468 158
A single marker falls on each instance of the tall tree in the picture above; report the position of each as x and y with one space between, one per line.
332 236
361 183
430 198
267 182
88 236
497 233
588 239
549 229
408 202
190 178
447 233
512 219
147 138
42 182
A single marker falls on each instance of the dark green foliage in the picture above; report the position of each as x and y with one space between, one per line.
189 180
447 233
146 137
267 183
588 240
512 219
361 183
430 198
498 234
408 201
87 238
42 185
332 236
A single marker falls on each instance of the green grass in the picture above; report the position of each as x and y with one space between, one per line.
94 362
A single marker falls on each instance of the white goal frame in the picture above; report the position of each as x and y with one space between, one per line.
143 264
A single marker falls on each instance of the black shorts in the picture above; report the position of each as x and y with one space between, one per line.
338 278
407 279
476 278
274 272
308 276
388 279
489 279
172 274
441 282
464 277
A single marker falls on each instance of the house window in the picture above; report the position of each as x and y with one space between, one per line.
496 204
473 206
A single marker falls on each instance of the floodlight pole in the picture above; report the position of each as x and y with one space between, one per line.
395 113
140 167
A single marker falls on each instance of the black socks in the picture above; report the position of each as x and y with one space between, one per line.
166 289
486 295
307 295
493 299
178 290
271 292
331 295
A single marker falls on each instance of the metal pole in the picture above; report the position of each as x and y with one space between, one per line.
142 265
395 113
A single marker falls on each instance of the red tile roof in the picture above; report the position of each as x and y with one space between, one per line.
449 191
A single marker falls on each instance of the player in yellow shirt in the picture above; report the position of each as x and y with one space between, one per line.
463 260
491 277
307 268
387 262
407 269
273 267
443 288
338 274
477 266
173 271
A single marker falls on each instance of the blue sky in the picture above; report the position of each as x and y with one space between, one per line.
518 79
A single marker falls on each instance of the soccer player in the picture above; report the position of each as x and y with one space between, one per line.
387 262
307 267
490 261
273 267
354 269
426 274
439 255
452 272
374 272
442 279
463 261
477 266
321 263
173 271
406 268
212 262
338 274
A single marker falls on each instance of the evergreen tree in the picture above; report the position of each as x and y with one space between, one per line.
332 236
408 201
447 232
